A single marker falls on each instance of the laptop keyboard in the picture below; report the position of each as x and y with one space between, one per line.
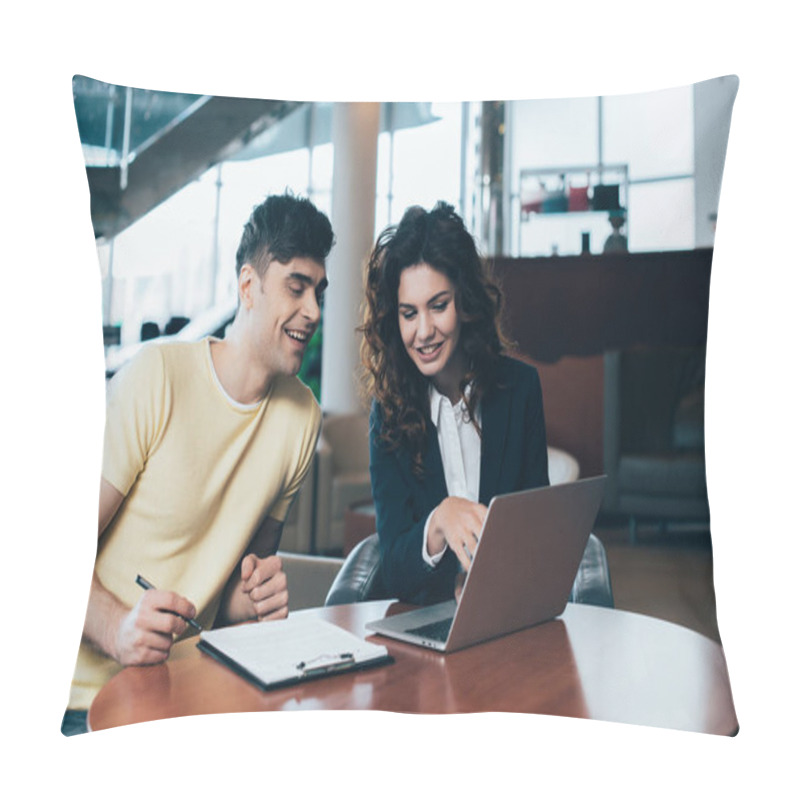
437 631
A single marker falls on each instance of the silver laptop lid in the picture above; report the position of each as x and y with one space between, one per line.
522 570
526 560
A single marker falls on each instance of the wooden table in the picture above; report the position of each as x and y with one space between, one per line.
593 663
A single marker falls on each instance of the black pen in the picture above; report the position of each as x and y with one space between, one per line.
145 584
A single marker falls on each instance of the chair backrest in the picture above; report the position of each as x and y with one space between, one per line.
592 585
309 578
561 466
359 578
348 438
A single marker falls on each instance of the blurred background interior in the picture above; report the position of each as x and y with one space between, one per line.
597 214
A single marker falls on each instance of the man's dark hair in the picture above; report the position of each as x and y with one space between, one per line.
284 227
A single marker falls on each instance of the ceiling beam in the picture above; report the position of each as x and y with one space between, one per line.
217 128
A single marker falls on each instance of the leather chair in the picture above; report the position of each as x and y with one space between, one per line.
310 578
342 476
653 452
359 579
562 467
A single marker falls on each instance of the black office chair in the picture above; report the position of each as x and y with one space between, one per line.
359 578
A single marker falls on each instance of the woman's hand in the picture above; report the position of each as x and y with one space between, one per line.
456 522
461 579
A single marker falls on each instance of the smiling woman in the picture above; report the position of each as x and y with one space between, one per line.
430 327
453 421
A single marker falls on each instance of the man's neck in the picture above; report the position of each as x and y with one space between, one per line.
241 376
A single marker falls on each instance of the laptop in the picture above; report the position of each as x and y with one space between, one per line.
522 569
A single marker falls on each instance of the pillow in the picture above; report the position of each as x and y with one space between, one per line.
605 275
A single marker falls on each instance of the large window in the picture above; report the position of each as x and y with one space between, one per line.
162 265
650 136
179 259
425 165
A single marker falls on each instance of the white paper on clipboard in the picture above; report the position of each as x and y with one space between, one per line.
281 652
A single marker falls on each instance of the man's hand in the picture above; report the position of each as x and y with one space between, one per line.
146 633
139 635
257 588
264 582
457 522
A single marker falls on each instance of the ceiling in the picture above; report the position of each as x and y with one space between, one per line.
141 146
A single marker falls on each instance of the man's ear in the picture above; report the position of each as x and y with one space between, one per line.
247 285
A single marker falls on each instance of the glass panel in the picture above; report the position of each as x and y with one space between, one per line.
100 114
244 185
562 234
427 162
653 132
322 168
382 183
662 216
553 133
381 215
162 265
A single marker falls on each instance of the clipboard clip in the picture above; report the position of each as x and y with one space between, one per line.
325 664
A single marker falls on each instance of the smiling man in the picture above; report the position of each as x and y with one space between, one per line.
206 445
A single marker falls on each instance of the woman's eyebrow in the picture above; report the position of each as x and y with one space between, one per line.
439 296
432 301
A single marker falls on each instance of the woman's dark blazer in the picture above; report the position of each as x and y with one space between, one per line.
513 457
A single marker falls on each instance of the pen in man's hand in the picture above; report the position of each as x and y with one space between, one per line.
145 584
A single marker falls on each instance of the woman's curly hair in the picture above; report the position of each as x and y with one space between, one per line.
439 239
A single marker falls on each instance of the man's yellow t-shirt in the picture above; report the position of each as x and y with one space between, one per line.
199 472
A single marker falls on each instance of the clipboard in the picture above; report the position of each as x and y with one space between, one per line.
275 654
